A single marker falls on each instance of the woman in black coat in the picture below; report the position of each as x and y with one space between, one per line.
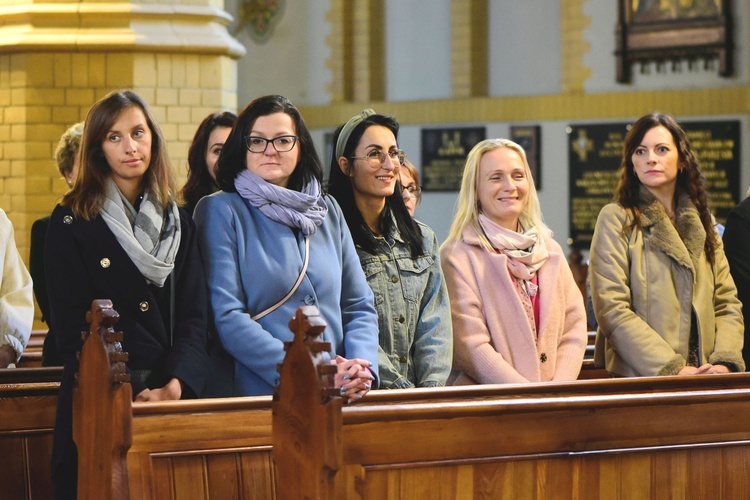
119 235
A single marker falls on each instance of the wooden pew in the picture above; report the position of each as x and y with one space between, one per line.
629 438
32 355
609 438
28 397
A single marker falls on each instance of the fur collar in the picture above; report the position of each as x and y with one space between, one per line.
685 242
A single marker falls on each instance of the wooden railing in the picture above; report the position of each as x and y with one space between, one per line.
669 437
28 398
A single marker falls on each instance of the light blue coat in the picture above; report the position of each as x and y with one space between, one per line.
251 262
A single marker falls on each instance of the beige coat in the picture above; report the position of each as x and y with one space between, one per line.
646 281
493 342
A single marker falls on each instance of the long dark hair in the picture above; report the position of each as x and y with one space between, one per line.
233 157
340 187
87 195
199 182
690 179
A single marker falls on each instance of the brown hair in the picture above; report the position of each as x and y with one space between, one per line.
87 195
690 179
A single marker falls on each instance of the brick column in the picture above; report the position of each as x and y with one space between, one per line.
57 59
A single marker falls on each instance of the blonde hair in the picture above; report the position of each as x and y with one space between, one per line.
467 206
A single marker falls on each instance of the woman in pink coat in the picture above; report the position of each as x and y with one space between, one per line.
518 315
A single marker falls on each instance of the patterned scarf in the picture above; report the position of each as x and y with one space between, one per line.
150 236
304 210
526 251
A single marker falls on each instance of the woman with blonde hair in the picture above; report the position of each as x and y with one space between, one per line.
518 315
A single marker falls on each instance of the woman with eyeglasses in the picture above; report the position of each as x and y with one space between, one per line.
410 190
398 254
518 315
271 242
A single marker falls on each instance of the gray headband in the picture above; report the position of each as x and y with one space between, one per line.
346 131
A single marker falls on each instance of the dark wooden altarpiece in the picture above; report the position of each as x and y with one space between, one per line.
670 31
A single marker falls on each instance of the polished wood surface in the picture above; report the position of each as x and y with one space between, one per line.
28 398
101 401
666 437
309 413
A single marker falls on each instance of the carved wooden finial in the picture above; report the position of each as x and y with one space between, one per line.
102 413
307 413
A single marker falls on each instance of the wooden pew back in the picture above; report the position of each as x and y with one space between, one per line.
28 398
680 437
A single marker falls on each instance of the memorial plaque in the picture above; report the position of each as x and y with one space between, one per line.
595 154
529 138
716 144
444 156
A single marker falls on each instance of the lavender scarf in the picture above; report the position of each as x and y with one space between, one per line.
304 209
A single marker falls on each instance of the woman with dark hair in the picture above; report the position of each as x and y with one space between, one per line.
203 157
663 296
398 254
271 242
118 234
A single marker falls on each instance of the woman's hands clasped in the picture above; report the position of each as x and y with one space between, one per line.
703 369
353 377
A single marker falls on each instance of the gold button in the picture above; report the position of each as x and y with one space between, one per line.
104 263
144 306
394 279
67 219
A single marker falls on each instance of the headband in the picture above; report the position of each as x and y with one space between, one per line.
346 131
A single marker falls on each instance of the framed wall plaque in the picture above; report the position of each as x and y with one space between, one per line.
444 153
529 138
670 31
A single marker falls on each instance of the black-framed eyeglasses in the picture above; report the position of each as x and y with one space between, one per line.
413 190
281 144
376 159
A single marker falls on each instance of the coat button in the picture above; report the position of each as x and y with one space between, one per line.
394 279
67 219
543 358
309 300
105 262
144 306
401 319
402 359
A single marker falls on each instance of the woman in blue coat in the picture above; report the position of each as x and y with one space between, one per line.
119 235
257 235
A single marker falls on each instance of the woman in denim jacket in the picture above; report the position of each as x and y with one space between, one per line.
398 254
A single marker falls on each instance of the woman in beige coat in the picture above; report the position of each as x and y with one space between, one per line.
517 313
663 296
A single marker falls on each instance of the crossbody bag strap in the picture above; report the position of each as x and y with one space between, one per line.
294 288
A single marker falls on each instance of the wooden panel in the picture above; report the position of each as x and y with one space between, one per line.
735 470
666 466
258 476
162 479
189 478
635 476
39 453
704 480
13 477
223 475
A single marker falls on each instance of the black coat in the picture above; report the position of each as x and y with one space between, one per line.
50 355
736 243
84 261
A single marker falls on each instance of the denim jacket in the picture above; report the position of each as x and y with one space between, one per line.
416 333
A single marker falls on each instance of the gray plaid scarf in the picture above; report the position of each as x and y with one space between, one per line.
150 236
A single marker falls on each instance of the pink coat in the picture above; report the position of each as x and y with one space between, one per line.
493 342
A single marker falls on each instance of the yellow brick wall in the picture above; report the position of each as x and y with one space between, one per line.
42 94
